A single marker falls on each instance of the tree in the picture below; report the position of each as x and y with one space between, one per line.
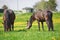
51 5
4 7
40 5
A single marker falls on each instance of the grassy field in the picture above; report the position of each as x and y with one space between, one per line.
20 33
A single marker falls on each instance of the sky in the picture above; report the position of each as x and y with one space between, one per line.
19 4
58 5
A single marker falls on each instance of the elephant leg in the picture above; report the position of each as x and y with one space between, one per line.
39 25
42 25
48 24
51 23
10 27
13 26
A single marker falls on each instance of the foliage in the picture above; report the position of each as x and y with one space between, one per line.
40 5
4 7
50 5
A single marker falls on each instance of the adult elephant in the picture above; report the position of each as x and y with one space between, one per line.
8 19
41 16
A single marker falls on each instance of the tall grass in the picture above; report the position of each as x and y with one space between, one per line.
20 33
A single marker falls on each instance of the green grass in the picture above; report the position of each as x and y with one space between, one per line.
20 33
1 14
